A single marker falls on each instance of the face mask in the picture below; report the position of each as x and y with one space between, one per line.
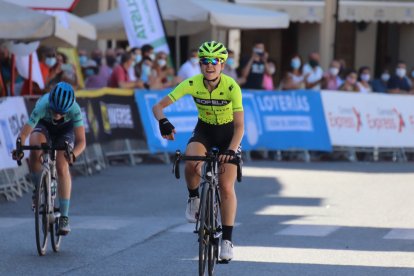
161 62
152 56
313 63
83 60
295 63
118 59
194 60
258 51
50 62
385 77
334 71
98 60
230 62
138 58
351 80
146 70
401 72
272 70
365 77
89 72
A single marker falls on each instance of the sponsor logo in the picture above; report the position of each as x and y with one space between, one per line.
105 118
93 120
348 118
212 102
120 116
270 103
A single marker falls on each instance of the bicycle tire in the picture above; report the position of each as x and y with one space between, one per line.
41 217
203 235
54 237
212 253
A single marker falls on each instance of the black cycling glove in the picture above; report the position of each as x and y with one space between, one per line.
17 155
230 153
166 127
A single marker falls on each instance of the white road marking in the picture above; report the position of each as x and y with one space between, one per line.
400 234
308 230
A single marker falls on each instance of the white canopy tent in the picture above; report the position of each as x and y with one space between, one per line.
186 17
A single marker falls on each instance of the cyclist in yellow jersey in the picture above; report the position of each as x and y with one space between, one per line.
220 124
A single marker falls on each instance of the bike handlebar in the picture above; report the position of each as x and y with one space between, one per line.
210 156
43 146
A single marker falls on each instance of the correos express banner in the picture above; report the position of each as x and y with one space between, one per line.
13 116
369 120
273 120
143 24
284 120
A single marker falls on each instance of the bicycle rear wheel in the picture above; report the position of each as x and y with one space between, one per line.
212 243
203 231
41 217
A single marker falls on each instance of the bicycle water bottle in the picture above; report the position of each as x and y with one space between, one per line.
53 186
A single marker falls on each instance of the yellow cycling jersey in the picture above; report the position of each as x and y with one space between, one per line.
214 108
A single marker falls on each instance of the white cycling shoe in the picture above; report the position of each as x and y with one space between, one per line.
226 250
191 211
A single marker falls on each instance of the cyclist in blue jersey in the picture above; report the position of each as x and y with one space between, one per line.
56 119
220 124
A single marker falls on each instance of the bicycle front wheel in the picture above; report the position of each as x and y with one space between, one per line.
54 237
41 217
203 231
213 242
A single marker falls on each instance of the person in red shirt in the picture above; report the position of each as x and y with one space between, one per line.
120 78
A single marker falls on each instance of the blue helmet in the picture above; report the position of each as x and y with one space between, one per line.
61 98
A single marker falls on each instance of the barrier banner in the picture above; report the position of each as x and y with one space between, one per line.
182 114
13 116
369 120
284 120
288 120
110 114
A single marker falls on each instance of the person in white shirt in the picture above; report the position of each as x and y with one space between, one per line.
191 67
313 72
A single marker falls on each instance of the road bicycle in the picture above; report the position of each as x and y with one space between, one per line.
45 197
208 225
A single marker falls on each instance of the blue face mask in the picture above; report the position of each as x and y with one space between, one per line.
50 62
138 58
145 72
89 72
83 60
295 63
230 62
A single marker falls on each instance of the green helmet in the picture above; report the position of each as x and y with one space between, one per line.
213 49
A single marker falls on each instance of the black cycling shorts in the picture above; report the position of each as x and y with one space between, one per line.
209 135
56 134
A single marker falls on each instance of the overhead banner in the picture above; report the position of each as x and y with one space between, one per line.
13 116
369 120
285 120
143 24
288 120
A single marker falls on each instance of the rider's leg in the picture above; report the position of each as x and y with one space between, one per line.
193 168
228 198
36 138
65 183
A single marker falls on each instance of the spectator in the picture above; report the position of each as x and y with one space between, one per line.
268 76
331 79
164 72
83 57
96 56
380 85
191 67
119 77
49 68
349 84
313 72
229 66
68 73
364 76
399 83
148 51
118 54
136 55
92 75
254 69
293 79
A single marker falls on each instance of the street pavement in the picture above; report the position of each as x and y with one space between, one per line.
293 219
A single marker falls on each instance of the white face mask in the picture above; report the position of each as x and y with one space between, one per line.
161 62
194 60
385 77
50 61
334 71
401 72
272 70
365 77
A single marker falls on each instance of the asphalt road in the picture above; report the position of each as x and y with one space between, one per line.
293 219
